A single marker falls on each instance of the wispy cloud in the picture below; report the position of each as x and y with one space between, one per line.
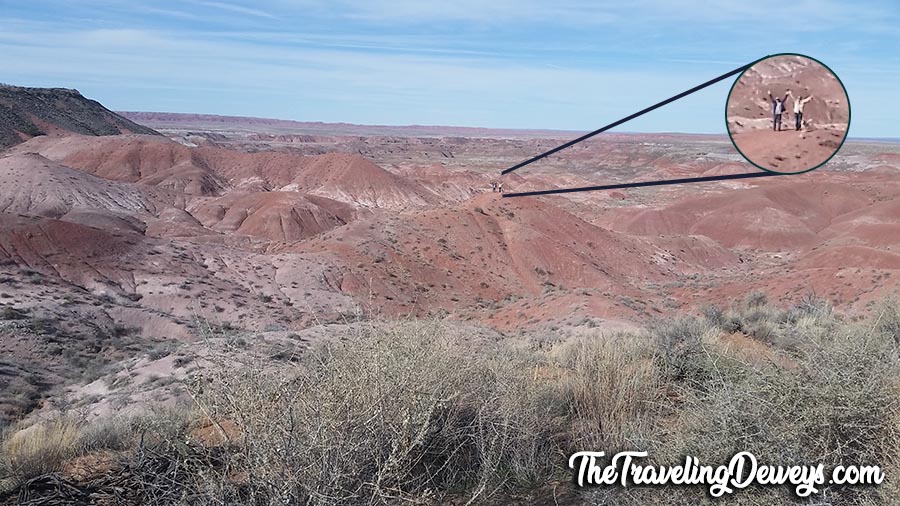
174 13
235 8
482 13
794 15
115 38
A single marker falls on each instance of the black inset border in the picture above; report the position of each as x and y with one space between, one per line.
703 179
846 132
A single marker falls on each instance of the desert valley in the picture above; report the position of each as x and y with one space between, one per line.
131 243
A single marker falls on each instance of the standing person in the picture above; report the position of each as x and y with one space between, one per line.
798 110
494 186
777 109
500 187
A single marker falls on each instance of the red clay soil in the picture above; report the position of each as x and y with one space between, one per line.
35 185
326 234
788 151
148 160
276 216
210 171
491 249
356 180
777 216
73 252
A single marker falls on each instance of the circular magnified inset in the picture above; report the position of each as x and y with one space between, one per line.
788 113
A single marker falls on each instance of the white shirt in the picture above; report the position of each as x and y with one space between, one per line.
799 103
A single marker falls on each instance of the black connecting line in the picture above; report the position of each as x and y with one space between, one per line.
624 120
628 118
703 179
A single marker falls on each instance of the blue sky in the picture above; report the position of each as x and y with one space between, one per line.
563 64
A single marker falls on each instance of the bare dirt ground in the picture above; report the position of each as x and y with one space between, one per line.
140 244
789 151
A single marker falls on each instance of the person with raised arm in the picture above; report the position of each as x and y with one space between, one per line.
799 102
777 109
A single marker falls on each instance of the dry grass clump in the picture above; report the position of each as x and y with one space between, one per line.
612 389
46 446
39 449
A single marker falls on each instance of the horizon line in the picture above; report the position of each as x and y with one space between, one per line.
467 127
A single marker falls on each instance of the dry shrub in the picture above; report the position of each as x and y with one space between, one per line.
887 318
400 411
756 318
687 353
834 401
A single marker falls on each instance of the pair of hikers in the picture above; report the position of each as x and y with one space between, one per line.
778 109
497 186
